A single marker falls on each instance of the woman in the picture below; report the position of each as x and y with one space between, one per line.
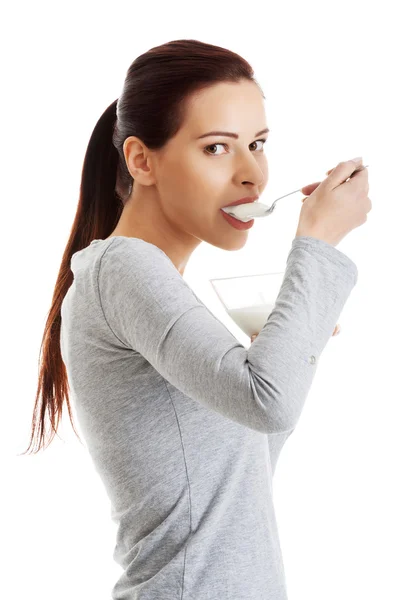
184 424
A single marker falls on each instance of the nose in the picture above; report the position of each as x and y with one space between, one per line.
255 174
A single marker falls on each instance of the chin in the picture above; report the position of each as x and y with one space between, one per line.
232 242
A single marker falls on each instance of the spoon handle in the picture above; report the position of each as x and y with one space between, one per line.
280 197
352 175
268 209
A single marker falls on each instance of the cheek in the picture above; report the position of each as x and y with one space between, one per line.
198 183
194 188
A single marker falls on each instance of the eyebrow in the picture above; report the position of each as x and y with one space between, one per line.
228 134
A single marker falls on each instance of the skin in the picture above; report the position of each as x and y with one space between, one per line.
178 191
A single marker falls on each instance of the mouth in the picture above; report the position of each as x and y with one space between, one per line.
246 200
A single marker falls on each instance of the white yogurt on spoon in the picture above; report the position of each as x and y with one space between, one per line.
246 212
251 210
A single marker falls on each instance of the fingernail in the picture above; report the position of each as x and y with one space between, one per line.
357 159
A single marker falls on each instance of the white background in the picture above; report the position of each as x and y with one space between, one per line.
330 77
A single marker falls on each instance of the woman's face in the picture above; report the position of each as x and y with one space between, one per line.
180 192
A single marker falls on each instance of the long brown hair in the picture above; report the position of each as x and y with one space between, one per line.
151 107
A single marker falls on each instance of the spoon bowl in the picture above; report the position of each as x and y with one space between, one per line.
247 212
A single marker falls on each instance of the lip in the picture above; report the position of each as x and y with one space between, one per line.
236 223
245 200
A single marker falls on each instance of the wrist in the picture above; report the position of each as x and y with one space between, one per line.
317 234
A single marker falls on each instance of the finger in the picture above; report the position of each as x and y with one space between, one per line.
253 337
337 329
308 189
311 187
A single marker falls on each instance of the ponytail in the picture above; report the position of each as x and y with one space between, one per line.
152 107
98 212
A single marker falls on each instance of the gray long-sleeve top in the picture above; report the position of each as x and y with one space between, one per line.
183 423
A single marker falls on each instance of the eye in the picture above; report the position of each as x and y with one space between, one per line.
219 144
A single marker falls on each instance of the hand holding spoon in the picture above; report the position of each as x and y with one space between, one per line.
309 189
247 212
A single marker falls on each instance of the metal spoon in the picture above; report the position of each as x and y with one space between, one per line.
269 209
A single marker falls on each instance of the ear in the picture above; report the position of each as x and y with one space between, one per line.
138 160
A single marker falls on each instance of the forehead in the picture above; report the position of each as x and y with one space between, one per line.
237 107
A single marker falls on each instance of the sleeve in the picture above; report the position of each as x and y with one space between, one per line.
151 310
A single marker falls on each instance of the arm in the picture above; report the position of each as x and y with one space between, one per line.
151 310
